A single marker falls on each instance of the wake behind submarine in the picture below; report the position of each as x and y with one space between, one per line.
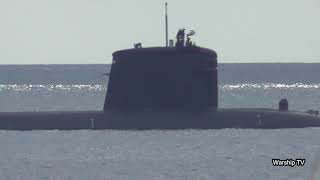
171 87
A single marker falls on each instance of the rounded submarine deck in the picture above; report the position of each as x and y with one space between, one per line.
147 119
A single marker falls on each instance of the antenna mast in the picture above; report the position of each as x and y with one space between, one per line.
166 25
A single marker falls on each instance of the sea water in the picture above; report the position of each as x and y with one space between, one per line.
244 154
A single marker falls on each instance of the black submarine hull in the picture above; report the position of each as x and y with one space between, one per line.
158 119
162 88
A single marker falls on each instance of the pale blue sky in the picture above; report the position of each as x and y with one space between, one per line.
88 31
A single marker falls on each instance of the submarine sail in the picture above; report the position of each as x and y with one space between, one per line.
163 77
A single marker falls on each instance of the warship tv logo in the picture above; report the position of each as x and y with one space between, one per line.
288 162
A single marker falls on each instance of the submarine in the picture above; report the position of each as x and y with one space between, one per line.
170 87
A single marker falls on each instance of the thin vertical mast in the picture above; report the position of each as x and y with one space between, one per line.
166 25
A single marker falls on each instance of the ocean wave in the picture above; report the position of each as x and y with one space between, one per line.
30 87
269 86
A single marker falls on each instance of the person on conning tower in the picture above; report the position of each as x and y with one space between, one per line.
188 42
180 38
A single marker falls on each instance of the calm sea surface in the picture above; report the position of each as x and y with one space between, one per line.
183 154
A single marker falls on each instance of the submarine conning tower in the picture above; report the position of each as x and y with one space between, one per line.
180 76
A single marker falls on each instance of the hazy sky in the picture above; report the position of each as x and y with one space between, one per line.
88 31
